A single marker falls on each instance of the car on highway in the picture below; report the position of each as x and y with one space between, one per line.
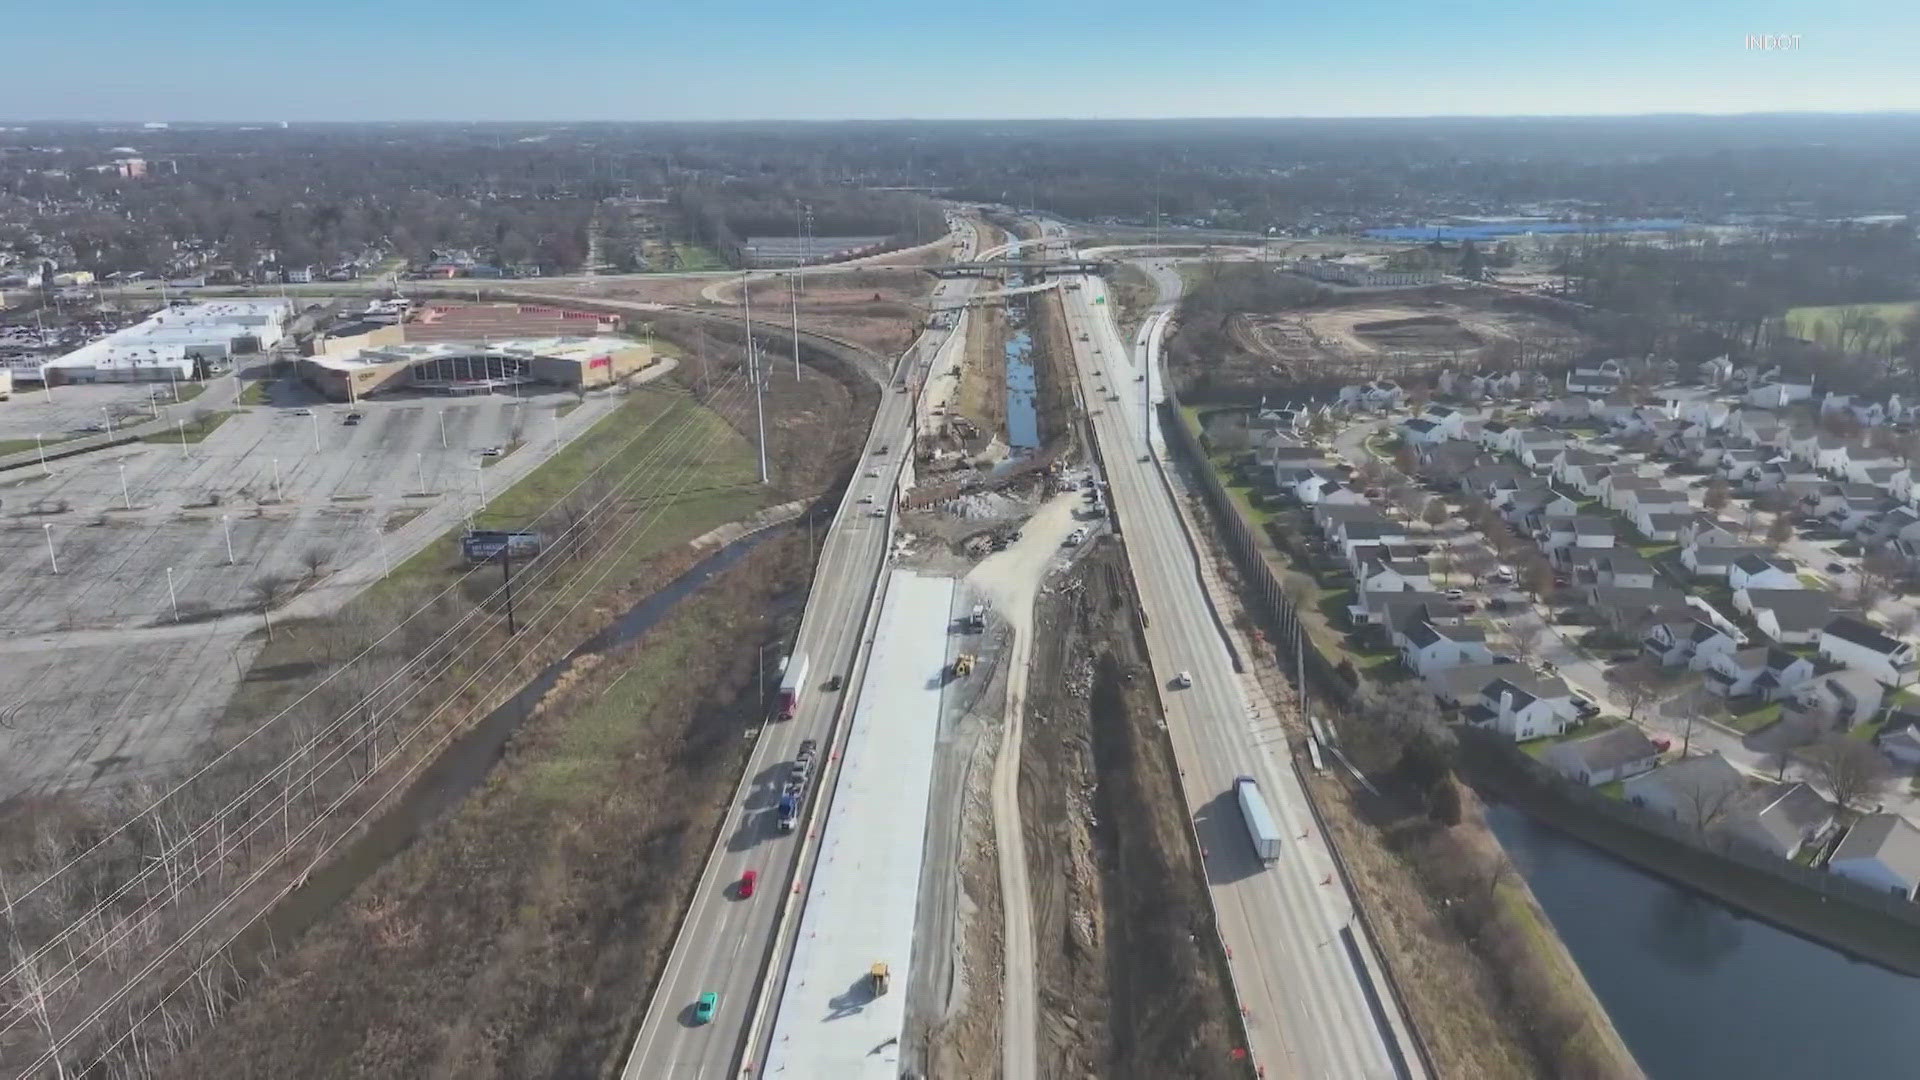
747 881
1182 680
871 473
704 1008
834 684
303 412
866 499
93 428
878 511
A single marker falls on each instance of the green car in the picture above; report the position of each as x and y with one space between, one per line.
703 1009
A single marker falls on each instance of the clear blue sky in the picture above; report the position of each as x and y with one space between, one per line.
186 60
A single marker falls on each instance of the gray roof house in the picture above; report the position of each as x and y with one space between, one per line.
1882 851
1613 754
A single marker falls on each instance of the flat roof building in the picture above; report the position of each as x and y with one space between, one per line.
177 342
457 367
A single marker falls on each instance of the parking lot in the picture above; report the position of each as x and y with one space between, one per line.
98 682
78 410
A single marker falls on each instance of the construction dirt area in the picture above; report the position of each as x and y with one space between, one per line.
1130 981
1358 336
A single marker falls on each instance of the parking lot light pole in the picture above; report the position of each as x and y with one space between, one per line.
315 417
420 470
276 481
104 411
47 528
181 427
380 540
226 526
125 496
172 598
480 482
442 413
41 446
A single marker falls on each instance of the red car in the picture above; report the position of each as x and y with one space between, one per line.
747 881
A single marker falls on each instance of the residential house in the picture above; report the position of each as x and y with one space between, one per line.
1695 791
1793 616
1881 851
1621 568
1653 501
1536 447
1865 647
1613 754
1663 525
1756 571
1430 649
1628 610
1759 426
1742 467
1573 458
1717 562
1686 640
1764 671
1421 431
1583 531
1901 743
1779 393
1705 530
1491 481
1523 704
1619 488
1902 485
1715 371
1566 410
1602 378
1494 436
1844 698
1383 575
1780 819
1869 465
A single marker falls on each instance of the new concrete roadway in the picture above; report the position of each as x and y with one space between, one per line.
723 944
1302 967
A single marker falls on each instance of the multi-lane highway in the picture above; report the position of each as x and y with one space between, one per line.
723 944
1300 962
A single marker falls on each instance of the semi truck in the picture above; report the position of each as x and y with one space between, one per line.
1260 826
791 684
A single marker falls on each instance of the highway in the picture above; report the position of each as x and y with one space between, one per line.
722 946
1299 959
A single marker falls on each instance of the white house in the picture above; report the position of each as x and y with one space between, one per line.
1861 645
1523 704
1613 754
1845 697
1694 791
1692 641
1429 649
1421 431
1780 819
1764 671
1755 571
1598 379
1383 575
1792 616
1881 850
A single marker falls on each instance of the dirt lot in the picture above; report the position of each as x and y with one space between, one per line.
1318 339
519 937
1129 982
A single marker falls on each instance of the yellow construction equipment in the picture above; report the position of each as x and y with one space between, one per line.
877 979
962 664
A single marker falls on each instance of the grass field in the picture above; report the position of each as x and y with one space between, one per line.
1821 324
194 430
690 473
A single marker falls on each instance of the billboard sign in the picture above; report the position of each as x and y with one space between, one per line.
483 545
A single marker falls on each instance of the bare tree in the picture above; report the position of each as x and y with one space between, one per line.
1780 531
1797 728
1706 798
268 591
1637 685
316 559
1716 496
1853 770
1434 514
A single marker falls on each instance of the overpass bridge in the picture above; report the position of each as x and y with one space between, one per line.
1002 266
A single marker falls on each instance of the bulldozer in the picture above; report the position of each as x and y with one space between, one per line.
962 664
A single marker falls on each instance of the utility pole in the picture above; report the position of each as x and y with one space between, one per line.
753 371
173 599
793 294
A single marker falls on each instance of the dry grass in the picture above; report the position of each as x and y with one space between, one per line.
520 937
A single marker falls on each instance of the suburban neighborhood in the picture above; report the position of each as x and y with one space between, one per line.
1686 589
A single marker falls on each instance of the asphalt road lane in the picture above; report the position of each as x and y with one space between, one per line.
722 946
1308 1013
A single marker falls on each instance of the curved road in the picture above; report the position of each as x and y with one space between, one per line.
725 943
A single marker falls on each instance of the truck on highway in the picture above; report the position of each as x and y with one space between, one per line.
1260 826
791 684
789 808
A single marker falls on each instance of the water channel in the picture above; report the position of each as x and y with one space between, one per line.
1023 415
1702 992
